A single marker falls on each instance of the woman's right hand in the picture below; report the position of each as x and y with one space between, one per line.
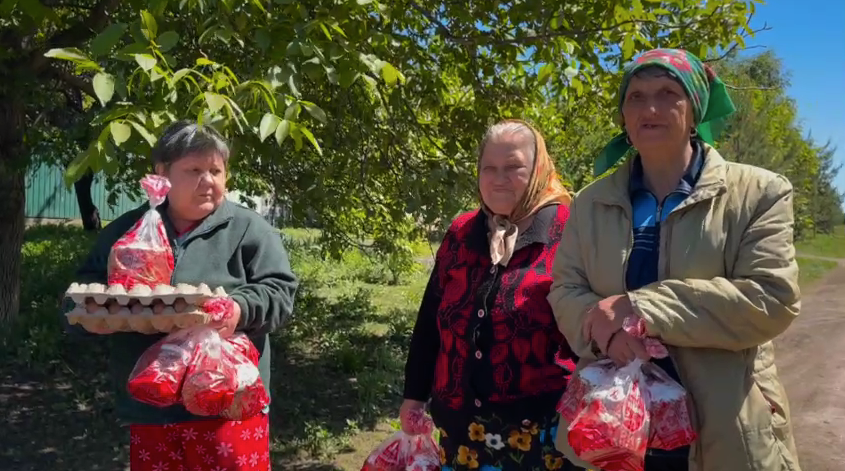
624 348
409 405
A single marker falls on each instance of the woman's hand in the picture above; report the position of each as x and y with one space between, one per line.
409 405
226 314
623 348
606 319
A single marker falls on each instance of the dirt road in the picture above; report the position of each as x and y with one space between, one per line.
812 366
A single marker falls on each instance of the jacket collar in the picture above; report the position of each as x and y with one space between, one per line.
711 181
219 217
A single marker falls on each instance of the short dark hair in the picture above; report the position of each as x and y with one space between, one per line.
186 137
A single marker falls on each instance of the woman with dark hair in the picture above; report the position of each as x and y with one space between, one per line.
221 244
485 339
690 249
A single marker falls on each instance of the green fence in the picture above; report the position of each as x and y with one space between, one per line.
48 197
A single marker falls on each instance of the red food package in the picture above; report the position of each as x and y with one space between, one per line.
403 452
671 425
158 374
610 429
143 255
223 379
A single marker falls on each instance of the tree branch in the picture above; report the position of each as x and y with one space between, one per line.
733 47
76 81
76 34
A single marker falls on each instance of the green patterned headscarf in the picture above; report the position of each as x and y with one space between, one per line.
707 94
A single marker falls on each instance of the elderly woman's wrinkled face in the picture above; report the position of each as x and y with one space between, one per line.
657 112
504 173
198 185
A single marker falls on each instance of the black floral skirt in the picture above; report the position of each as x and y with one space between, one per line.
490 443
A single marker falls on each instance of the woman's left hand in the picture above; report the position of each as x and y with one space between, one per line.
226 314
606 318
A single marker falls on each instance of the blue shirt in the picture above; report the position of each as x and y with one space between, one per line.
648 214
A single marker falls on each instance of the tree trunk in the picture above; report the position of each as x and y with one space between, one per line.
87 209
12 205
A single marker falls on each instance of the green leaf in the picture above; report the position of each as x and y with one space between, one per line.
282 131
108 39
545 72
147 135
167 40
204 61
268 125
179 75
78 166
315 111
570 72
363 2
69 54
292 111
120 132
262 38
628 47
103 87
146 61
215 101
311 139
148 23
391 75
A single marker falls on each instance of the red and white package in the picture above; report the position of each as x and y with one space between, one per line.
403 452
209 375
610 427
158 375
671 425
143 255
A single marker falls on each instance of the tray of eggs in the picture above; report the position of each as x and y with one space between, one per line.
161 309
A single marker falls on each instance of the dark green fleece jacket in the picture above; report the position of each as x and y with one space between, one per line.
233 247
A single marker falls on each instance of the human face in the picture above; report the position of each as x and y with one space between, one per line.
504 172
657 113
197 185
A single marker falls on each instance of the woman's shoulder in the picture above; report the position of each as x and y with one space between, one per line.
462 225
248 219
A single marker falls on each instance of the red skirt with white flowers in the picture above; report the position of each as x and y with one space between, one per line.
208 445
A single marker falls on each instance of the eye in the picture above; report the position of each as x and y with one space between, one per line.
513 167
634 96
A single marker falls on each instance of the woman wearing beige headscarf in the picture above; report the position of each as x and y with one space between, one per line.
485 339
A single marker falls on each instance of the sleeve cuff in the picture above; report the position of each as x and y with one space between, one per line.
243 321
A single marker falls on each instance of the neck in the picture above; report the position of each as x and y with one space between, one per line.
663 172
180 224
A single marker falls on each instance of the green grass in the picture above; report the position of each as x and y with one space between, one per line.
813 269
824 245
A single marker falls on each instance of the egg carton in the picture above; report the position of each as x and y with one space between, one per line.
137 319
101 294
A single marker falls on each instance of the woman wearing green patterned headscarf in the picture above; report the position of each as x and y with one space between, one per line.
681 246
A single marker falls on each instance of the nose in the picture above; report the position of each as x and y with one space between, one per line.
206 178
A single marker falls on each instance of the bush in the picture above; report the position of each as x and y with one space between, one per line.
51 256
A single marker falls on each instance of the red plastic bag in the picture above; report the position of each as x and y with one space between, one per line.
158 375
143 255
403 452
610 426
209 375
671 425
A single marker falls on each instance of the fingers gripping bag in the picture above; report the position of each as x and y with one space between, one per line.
143 255
606 408
403 452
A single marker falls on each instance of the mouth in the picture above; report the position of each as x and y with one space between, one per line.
651 126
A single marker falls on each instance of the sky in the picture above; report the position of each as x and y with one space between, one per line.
809 37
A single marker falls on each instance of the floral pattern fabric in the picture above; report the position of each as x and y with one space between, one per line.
491 444
208 445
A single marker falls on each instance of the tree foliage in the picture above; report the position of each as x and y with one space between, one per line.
363 113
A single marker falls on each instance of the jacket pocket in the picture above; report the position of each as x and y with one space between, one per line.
765 433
